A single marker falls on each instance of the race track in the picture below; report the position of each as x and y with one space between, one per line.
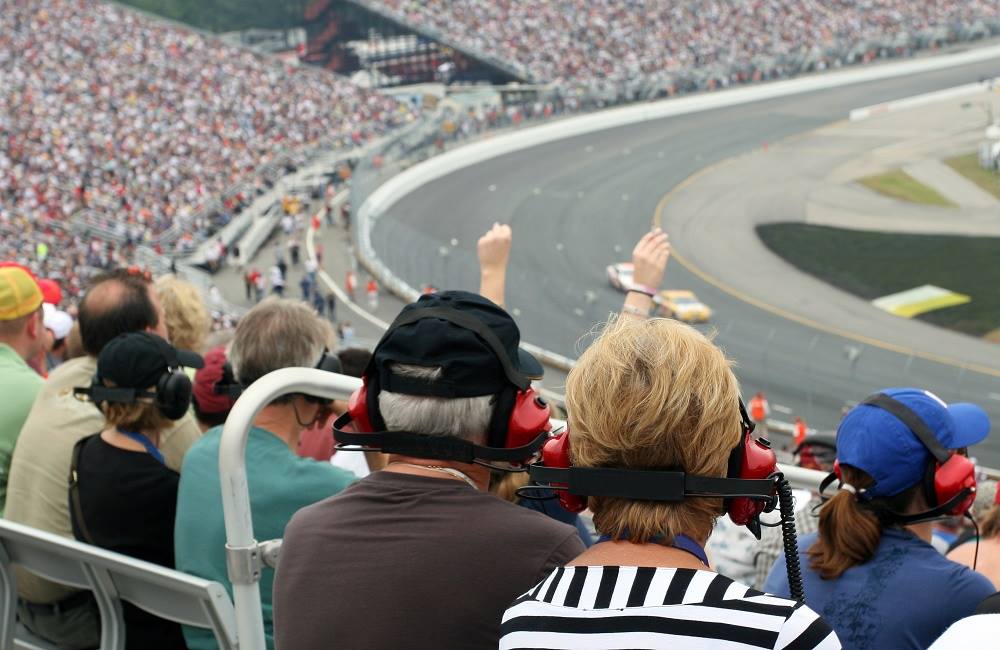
578 205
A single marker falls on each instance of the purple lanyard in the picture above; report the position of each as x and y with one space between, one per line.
145 442
681 541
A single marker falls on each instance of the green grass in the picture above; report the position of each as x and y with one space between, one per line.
897 184
968 166
875 264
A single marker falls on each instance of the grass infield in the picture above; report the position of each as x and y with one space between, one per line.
897 184
875 264
968 166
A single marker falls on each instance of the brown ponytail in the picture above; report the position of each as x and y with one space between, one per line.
849 533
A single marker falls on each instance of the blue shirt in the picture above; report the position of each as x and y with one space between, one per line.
906 596
280 483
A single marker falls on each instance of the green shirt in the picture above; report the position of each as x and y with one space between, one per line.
280 483
19 385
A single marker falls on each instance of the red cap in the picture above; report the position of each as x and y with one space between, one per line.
205 380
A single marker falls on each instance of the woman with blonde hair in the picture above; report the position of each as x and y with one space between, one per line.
653 403
122 496
187 318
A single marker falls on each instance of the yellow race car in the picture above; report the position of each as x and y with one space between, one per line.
682 305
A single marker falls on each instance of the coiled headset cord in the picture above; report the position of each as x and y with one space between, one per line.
790 542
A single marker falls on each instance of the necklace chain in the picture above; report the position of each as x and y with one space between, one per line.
451 471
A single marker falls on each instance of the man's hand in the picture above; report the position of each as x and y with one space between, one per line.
493 249
650 257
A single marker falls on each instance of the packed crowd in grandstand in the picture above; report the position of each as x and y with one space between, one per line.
150 132
586 41
431 508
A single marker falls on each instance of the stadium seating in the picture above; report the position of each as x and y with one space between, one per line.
112 578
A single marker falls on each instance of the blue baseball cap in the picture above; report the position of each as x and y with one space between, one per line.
878 443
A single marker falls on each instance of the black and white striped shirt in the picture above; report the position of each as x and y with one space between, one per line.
655 607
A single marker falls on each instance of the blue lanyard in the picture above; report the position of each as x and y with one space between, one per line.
145 442
682 542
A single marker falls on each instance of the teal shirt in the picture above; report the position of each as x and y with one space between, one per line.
19 385
280 484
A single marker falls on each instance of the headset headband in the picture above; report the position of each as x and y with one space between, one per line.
467 322
914 422
431 447
649 485
98 393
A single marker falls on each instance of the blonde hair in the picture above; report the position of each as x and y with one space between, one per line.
141 415
187 319
653 394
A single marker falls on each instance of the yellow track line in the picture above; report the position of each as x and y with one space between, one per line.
783 313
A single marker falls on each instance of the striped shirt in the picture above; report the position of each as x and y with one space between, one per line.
655 607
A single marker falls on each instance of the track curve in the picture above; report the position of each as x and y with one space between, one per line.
579 204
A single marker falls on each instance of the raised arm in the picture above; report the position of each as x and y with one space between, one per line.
493 249
649 258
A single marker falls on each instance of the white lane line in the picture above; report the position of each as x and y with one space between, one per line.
333 286
995 396
780 408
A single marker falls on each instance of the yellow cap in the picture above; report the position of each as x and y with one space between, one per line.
19 293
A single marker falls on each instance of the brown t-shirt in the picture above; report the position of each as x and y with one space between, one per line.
402 561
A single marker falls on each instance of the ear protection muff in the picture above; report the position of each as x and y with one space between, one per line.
949 483
518 426
172 396
749 487
173 393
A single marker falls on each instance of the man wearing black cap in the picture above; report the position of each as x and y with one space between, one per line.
420 554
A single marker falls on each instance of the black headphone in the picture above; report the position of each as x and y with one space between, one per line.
227 385
172 396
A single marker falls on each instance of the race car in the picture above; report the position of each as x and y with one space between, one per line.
682 305
620 275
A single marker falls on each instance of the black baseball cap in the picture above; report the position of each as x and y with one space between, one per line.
138 359
473 340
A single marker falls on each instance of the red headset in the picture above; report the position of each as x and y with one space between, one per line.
518 427
949 483
749 487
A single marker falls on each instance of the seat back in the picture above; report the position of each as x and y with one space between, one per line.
112 578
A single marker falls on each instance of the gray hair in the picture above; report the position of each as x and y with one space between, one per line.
467 418
277 333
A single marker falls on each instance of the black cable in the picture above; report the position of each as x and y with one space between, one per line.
975 525
786 505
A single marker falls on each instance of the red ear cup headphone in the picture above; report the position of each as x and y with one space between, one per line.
950 481
520 425
953 478
752 459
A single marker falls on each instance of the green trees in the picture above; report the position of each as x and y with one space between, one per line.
228 15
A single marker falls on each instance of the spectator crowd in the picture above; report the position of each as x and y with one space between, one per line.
429 534
670 46
149 133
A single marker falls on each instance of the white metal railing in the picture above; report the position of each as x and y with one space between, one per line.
244 554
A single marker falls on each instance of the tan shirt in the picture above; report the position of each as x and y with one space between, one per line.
37 492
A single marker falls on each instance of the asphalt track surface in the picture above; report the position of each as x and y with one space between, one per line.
579 204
